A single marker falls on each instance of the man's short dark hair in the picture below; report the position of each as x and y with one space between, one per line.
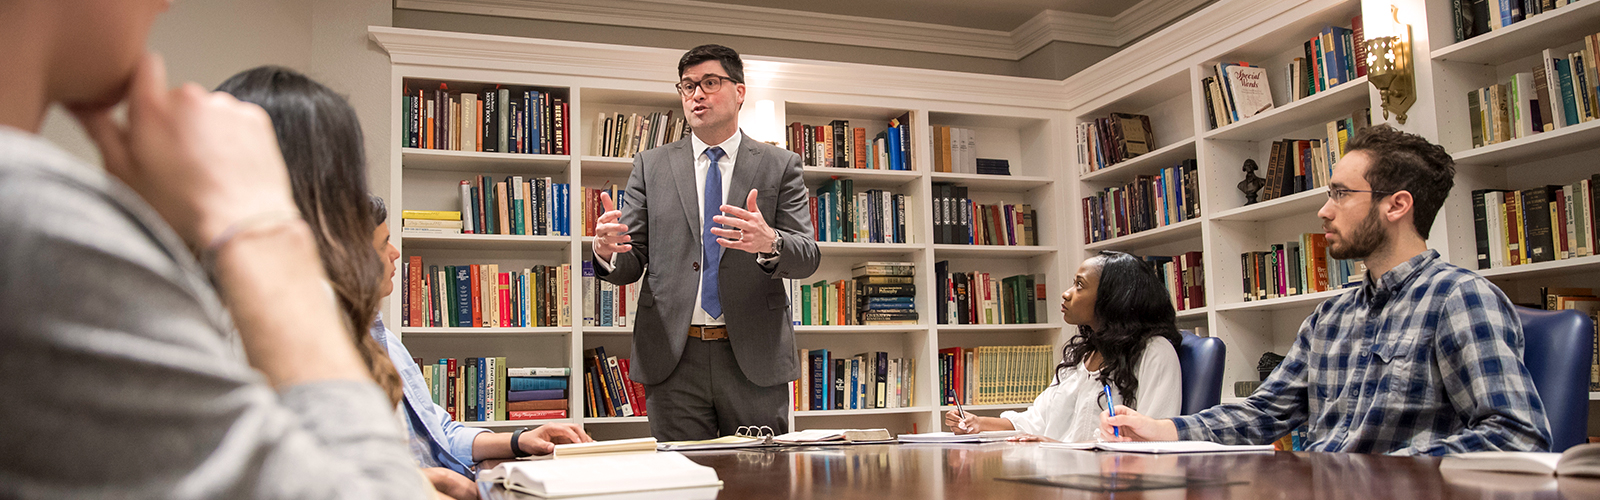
711 52
1407 162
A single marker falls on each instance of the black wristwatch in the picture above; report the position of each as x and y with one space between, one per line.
516 444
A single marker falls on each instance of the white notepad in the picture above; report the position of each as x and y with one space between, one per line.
1163 447
602 474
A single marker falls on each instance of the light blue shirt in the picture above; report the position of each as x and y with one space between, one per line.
436 439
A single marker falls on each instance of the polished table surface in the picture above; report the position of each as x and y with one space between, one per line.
882 472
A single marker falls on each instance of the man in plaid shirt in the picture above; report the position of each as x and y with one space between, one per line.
1424 358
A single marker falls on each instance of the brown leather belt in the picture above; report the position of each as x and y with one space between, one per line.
718 332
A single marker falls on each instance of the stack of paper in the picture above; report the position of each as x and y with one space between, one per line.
640 445
836 436
721 443
602 474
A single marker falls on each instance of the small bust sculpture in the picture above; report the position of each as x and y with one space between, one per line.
1251 184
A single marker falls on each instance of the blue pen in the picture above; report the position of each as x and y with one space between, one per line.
1111 409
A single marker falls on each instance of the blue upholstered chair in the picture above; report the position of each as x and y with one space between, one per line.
1201 359
1557 349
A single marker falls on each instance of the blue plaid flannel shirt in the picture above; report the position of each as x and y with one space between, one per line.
1427 361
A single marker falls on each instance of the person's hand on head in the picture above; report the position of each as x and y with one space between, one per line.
204 160
1135 426
610 236
749 232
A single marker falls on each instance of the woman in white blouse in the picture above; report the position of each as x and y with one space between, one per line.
1126 339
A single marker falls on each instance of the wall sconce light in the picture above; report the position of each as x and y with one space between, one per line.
1389 67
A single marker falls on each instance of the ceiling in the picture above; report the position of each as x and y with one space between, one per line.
1002 15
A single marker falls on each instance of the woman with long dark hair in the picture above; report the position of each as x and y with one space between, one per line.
1127 340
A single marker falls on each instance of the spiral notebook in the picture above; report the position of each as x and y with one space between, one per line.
745 437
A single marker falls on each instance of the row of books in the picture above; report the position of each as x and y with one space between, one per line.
1476 17
977 298
1150 201
1538 224
995 375
838 145
865 381
881 293
1333 57
955 150
1234 92
619 136
481 296
958 220
1103 142
841 214
1582 300
493 119
591 208
1296 268
607 304
609 391
1185 278
512 206
1556 94
487 389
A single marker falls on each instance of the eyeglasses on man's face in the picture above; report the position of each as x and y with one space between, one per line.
710 85
1337 193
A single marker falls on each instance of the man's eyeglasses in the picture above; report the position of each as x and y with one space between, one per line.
1337 194
710 85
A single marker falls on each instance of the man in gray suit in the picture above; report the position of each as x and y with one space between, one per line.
712 342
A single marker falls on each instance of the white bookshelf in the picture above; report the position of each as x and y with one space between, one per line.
1021 124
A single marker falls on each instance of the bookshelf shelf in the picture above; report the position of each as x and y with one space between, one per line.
484 242
540 330
607 169
1563 25
1018 406
1298 203
1024 327
512 424
1314 110
608 330
981 182
873 411
863 178
1189 229
1560 142
856 329
997 251
1281 303
1144 164
1549 269
476 162
851 249
615 420
1193 314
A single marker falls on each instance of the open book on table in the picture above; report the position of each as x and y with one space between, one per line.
1581 460
617 446
601 474
951 437
836 436
1162 447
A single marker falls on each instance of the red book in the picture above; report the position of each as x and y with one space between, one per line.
547 404
535 414
1358 41
860 137
1195 293
414 283
1558 223
450 389
635 389
503 290
953 360
477 299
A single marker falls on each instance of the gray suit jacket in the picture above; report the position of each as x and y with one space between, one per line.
666 251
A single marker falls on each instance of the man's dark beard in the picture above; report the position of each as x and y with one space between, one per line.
1368 237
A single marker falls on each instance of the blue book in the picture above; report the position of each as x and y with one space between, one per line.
1569 95
540 395
536 383
890 300
535 111
819 380
888 307
894 156
855 384
522 307
483 388
463 295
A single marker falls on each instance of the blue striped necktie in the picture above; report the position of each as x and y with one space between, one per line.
710 297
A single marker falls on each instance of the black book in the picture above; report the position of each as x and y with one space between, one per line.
840 380
963 229
941 296
1480 221
1536 217
864 291
962 297
941 229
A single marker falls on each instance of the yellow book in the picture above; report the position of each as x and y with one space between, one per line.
430 215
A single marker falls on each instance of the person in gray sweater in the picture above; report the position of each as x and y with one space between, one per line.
165 328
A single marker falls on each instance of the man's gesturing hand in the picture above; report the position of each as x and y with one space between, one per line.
749 232
610 236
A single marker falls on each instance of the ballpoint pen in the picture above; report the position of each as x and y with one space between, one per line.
1111 410
960 415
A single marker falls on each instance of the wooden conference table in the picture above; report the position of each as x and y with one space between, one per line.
950 471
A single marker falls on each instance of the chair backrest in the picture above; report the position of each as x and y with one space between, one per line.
1557 350
1201 359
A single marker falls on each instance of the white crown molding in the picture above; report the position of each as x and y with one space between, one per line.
657 67
783 24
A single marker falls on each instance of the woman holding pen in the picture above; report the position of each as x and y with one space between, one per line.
1125 350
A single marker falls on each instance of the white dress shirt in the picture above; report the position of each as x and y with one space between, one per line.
1069 411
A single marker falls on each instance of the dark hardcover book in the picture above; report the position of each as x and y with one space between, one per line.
963 313
941 272
536 395
1536 217
963 233
1480 221
839 378
889 315
908 290
819 379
